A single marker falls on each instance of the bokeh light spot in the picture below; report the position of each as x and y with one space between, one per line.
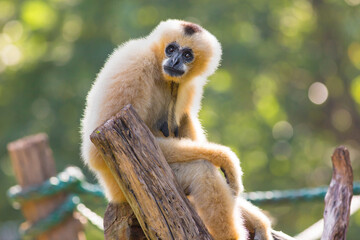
318 93
61 54
268 107
341 120
72 28
4 40
11 55
282 130
352 2
13 29
38 14
282 150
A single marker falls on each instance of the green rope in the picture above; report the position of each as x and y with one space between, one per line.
59 215
305 194
71 180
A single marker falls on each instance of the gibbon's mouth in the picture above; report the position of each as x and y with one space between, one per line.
173 72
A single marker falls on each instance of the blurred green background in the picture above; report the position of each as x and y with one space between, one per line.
287 93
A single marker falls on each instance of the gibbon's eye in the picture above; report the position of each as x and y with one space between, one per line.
170 49
188 56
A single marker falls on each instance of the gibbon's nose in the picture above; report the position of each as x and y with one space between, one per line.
175 60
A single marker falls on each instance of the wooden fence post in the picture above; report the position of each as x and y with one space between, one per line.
33 163
338 197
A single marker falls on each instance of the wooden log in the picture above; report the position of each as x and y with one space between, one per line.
120 223
277 235
33 163
148 183
338 197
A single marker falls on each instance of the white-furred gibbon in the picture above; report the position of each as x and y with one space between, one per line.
162 76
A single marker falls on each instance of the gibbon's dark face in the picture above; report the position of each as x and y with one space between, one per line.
177 58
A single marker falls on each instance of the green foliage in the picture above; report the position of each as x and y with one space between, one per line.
258 102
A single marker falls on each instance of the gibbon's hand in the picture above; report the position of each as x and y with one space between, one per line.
230 165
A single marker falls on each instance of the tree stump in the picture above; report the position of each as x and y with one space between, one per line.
33 163
147 181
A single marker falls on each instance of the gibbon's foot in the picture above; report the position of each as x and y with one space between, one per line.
256 222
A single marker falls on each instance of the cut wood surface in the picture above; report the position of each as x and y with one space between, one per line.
338 197
147 181
33 163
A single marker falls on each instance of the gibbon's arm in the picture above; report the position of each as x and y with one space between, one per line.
190 127
185 150
122 91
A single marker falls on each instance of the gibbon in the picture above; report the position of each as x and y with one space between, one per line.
162 76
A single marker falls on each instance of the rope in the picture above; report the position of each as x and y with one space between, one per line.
304 194
52 220
71 180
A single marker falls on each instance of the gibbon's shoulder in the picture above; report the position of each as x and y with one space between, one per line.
134 54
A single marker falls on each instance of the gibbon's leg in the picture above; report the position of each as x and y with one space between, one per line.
112 190
255 220
212 198
185 150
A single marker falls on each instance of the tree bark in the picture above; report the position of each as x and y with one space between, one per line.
147 181
33 163
338 197
120 223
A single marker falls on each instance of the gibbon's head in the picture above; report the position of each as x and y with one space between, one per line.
185 50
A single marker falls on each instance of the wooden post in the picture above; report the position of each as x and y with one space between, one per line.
33 163
338 197
146 179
